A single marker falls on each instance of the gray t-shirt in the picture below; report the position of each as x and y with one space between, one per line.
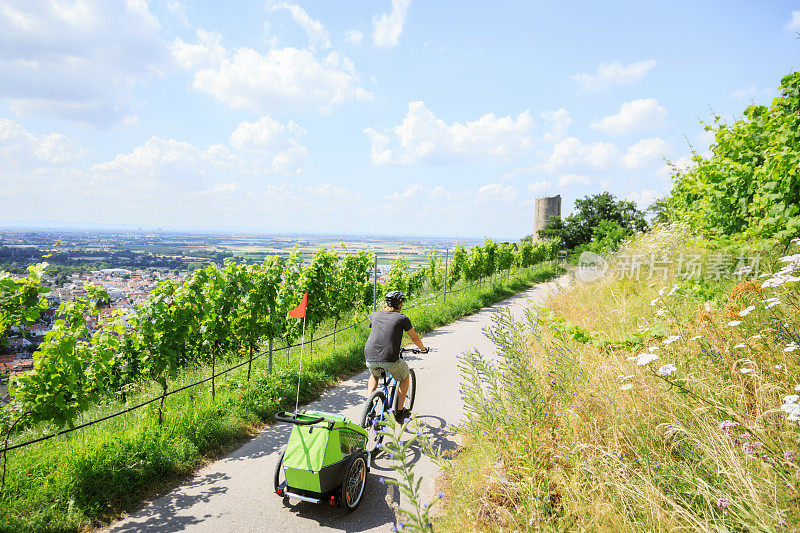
385 336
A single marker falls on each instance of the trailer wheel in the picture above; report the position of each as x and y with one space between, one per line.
278 469
355 478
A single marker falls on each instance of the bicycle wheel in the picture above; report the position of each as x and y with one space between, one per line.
371 417
410 395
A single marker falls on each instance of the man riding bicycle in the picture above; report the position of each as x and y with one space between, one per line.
382 351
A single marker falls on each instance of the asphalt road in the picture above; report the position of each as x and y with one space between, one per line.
236 493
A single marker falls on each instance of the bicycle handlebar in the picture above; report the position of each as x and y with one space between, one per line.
283 416
414 350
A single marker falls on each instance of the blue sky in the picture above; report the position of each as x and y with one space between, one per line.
386 117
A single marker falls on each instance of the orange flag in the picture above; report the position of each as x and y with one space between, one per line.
300 310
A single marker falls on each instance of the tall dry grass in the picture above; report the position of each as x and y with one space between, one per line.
657 405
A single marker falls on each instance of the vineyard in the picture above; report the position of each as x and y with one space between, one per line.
112 383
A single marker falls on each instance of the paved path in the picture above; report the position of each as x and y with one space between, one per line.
235 493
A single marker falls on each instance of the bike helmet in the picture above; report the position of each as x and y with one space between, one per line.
394 299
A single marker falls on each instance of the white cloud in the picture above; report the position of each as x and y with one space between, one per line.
559 121
354 36
682 163
568 180
386 28
537 187
20 148
281 79
645 151
423 137
793 23
751 93
644 198
571 152
317 34
635 116
77 60
494 192
262 147
614 73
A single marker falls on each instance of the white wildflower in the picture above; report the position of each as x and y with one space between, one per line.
757 336
791 258
709 306
661 292
778 367
791 347
626 386
653 348
633 358
791 399
746 311
696 337
625 378
653 302
772 304
666 370
646 359
662 311
734 323
746 370
671 339
797 388
790 408
673 290
794 417
770 300
740 345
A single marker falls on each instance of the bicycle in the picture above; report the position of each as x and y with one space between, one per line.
384 400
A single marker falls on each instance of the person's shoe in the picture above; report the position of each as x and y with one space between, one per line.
402 415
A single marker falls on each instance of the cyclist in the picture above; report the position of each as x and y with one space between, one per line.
382 350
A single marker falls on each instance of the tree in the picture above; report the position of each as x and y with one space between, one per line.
351 277
490 257
750 184
397 280
590 211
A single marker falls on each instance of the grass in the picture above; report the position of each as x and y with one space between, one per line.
575 430
89 477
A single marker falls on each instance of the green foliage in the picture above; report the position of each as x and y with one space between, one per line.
398 277
21 300
750 184
435 272
490 251
590 211
458 265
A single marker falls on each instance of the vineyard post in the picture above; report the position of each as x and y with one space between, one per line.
444 294
270 355
375 284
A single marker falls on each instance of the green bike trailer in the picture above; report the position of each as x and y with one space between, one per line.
325 459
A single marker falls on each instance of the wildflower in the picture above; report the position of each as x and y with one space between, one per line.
740 345
793 417
758 336
646 359
633 358
778 367
791 408
626 386
791 399
734 323
666 370
661 292
625 378
662 311
441 494
789 455
747 310
728 425
653 348
381 480
748 448
745 370
723 504
696 337
671 339
797 388
653 302
672 291
772 304
791 347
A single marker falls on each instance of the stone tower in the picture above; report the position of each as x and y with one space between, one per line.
544 209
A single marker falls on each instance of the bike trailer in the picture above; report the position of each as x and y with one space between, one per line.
324 460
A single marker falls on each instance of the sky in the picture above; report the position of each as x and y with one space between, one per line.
389 117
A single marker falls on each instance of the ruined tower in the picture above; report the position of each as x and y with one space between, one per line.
544 208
